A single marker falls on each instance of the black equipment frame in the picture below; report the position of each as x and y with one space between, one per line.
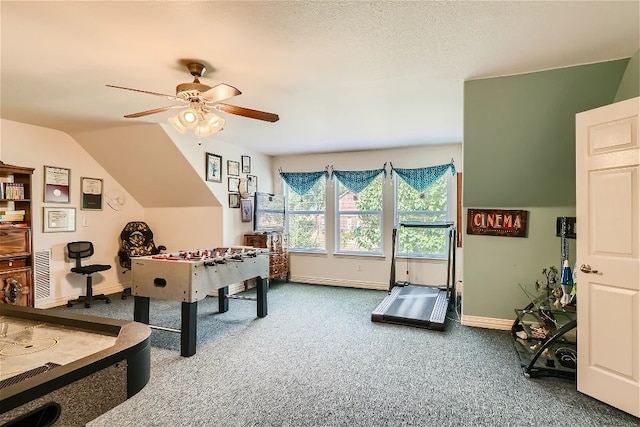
436 300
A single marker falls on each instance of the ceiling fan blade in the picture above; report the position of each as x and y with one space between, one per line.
247 112
220 92
171 97
154 111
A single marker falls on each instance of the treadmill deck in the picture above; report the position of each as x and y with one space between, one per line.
420 306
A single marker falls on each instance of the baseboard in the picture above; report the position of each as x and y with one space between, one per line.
487 322
337 282
57 302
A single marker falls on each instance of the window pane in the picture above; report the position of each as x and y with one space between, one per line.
434 198
306 216
361 233
314 200
359 218
369 199
306 231
428 207
422 241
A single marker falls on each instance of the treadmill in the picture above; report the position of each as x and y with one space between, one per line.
423 306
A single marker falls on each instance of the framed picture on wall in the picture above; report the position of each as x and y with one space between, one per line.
56 184
234 185
91 194
213 167
246 208
58 219
252 184
233 168
234 200
246 164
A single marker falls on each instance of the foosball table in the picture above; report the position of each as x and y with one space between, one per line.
189 276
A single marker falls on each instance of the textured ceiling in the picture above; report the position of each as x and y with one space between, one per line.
341 75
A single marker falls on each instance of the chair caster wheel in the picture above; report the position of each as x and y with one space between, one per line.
69 304
108 301
87 305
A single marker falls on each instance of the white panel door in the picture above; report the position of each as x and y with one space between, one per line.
608 249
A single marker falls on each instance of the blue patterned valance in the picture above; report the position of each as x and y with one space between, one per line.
421 178
356 181
302 182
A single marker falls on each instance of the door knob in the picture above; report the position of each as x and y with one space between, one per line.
586 268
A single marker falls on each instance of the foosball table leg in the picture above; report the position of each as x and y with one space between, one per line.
188 329
262 296
141 309
223 299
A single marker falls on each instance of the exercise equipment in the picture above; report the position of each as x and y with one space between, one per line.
424 306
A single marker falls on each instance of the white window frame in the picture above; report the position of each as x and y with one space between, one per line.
448 217
288 212
339 213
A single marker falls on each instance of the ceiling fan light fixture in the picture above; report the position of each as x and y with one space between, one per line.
173 121
209 125
187 119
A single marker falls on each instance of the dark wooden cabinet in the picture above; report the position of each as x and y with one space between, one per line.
278 246
16 253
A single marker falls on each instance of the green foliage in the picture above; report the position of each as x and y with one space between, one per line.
306 230
368 236
411 206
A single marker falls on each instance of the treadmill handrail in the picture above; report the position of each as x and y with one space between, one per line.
419 224
451 252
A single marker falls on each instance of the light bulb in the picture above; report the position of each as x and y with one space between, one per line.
190 116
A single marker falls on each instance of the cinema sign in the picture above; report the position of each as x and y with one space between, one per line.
496 222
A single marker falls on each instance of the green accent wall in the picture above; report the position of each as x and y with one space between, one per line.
519 135
519 153
630 83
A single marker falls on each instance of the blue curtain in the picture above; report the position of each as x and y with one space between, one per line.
356 181
421 178
302 182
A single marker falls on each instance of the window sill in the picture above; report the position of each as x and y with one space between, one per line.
358 255
308 252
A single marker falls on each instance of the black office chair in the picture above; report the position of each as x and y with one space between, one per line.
136 239
79 251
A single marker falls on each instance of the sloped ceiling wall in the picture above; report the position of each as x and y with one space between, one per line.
147 163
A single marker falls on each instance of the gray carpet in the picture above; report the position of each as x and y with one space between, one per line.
318 360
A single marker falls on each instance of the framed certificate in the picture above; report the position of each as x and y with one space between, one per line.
56 184
59 219
91 194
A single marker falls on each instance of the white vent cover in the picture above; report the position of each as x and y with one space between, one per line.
41 274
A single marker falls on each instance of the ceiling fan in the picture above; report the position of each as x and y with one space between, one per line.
197 100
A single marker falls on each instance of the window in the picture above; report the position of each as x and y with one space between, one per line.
359 218
305 218
428 207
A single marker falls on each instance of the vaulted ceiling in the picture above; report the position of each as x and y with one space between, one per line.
341 75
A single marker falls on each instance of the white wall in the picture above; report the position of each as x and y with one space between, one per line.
32 146
365 271
233 229
197 227
175 227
